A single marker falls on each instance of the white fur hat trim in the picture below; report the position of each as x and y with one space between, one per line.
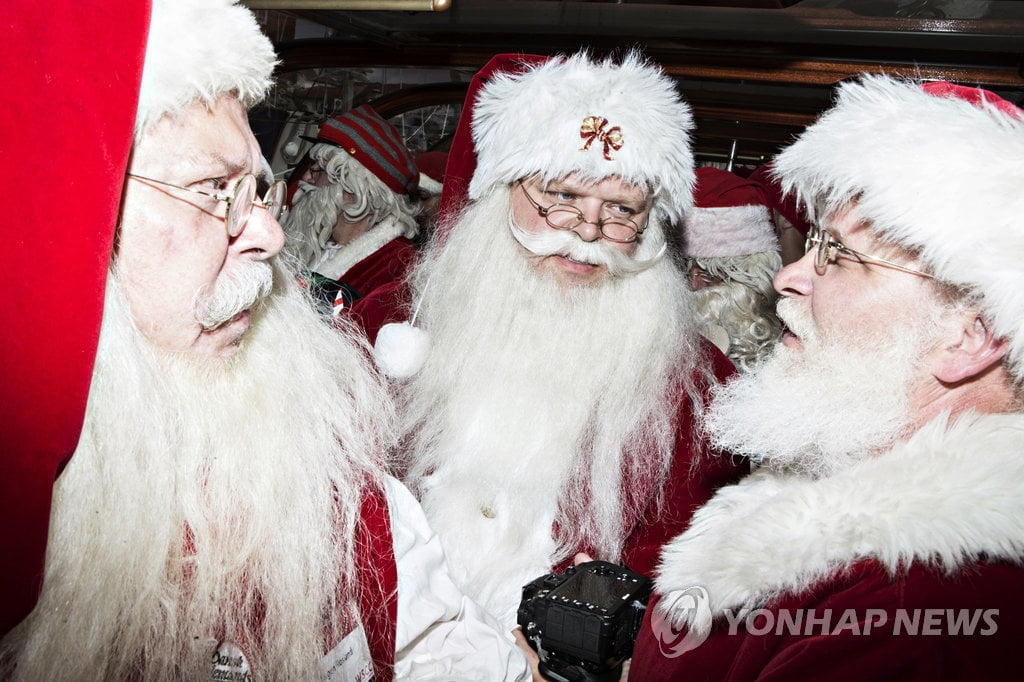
536 123
728 231
198 50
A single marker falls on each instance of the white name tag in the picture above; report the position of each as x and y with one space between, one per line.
350 661
229 663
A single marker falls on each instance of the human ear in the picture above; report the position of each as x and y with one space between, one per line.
973 351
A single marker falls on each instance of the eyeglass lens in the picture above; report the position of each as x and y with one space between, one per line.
243 199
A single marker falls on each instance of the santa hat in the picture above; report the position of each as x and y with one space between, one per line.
596 119
198 50
729 218
785 204
431 166
369 139
936 168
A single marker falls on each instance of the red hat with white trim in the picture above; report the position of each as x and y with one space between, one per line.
730 217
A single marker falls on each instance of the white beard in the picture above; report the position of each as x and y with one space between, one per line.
309 222
209 501
536 400
822 408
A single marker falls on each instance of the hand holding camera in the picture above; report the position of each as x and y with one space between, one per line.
583 622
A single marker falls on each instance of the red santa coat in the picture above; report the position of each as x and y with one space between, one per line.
64 146
687 487
378 583
389 263
904 567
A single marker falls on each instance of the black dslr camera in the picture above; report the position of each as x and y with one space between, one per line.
583 622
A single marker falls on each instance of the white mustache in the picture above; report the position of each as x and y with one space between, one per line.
796 320
568 244
232 294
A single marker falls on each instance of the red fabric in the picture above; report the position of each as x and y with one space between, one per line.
389 263
695 476
784 204
386 304
432 164
462 156
378 583
975 96
717 188
72 87
380 279
815 652
375 144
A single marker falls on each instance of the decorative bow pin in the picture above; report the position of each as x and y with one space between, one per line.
593 129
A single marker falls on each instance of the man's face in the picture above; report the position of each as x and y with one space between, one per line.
852 374
852 300
173 246
596 201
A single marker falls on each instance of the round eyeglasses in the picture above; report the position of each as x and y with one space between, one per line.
565 217
240 201
828 250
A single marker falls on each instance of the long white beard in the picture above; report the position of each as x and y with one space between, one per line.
818 410
309 222
536 400
209 502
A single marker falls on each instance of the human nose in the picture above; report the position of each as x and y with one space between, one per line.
589 228
796 278
262 236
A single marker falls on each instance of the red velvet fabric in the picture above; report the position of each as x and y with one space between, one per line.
378 583
386 304
380 279
868 649
389 263
462 155
784 204
71 73
695 476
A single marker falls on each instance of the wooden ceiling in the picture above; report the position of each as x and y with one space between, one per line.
755 71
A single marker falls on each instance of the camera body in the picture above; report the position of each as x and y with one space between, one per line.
583 622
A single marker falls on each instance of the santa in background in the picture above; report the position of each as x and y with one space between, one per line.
354 215
732 256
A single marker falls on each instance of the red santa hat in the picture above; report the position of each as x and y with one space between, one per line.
785 204
431 166
553 117
369 139
730 217
198 50
936 168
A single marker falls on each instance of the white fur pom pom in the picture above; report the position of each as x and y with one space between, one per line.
400 349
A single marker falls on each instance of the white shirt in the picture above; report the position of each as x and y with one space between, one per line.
441 633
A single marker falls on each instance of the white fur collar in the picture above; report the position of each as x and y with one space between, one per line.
337 260
943 497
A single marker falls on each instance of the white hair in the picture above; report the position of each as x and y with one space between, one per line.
542 395
210 501
743 303
832 403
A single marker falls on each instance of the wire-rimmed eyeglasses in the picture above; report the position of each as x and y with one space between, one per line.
565 217
828 250
240 201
